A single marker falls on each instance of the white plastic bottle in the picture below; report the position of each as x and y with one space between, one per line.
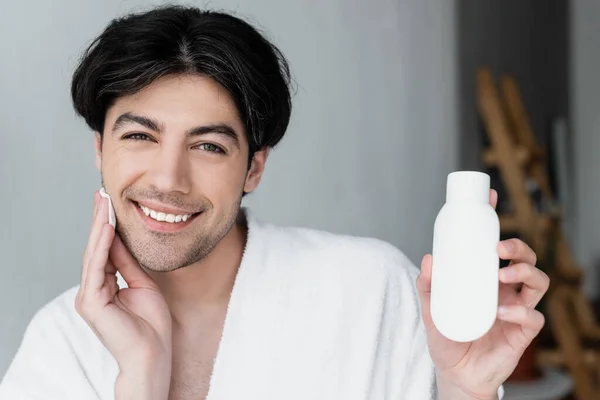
464 280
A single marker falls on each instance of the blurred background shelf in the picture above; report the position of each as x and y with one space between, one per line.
553 385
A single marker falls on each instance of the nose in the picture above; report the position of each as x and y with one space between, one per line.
171 169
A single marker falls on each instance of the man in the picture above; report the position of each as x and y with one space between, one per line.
214 304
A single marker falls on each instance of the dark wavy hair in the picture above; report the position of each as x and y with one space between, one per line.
135 50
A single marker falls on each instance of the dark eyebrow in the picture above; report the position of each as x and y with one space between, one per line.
153 125
221 129
128 118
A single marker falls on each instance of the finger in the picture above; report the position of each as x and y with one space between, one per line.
535 282
96 196
110 266
493 198
96 270
128 267
92 239
111 285
530 320
517 251
100 218
85 259
424 290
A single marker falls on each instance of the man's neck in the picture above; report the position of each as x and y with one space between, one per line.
206 284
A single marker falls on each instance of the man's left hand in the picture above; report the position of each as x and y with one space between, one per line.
478 369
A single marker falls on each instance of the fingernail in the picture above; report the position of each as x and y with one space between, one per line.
508 245
502 310
507 272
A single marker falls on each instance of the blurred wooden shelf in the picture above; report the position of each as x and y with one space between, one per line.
520 161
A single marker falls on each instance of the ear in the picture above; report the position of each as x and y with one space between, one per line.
98 147
256 170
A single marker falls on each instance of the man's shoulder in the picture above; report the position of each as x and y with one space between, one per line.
59 329
61 307
334 249
59 315
57 347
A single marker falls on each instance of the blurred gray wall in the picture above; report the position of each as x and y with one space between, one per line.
585 95
372 138
527 39
552 48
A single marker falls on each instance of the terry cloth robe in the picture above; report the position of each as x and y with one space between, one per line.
312 316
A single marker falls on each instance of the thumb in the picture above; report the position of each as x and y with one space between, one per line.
129 268
424 289
493 198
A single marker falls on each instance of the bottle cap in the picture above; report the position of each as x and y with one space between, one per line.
471 186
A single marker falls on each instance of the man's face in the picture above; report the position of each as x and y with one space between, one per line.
174 158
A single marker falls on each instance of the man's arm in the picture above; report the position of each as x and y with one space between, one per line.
410 361
147 379
446 391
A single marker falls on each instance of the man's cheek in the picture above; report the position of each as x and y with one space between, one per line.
125 170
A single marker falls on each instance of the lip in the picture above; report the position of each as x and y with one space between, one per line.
159 226
162 208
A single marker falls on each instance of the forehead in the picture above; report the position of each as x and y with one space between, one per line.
180 102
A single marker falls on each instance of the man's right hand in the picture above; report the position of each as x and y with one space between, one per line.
134 323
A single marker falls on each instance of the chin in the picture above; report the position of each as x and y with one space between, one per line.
170 251
155 267
164 252
161 258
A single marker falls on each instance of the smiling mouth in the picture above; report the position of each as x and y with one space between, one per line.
161 216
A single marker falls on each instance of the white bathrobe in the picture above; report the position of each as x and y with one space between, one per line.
312 316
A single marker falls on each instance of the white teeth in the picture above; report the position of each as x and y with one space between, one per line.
164 217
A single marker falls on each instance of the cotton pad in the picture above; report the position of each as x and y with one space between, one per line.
112 219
